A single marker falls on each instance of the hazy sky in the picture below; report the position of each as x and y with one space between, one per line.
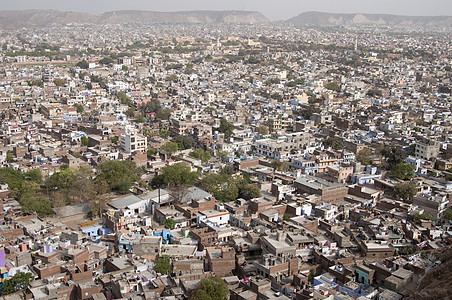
275 10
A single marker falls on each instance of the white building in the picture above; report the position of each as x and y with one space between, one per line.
131 142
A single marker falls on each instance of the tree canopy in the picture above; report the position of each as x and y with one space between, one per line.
333 86
184 142
363 156
176 175
201 154
150 106
334 142
169 223
84 140
119 175
124 99
394 155
19 282
170 147
162 265
211 288
26 189
402 171
249 191
83 64
226 128
262 130
405 191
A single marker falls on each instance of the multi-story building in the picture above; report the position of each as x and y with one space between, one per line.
330 192
427 150
434 205
131 142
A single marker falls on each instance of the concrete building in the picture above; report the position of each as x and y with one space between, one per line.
329 192
434 205
427 150
131 142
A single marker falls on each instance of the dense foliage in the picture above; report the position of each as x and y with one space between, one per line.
162 265
176 175
119 175
211 288
226 128
19 282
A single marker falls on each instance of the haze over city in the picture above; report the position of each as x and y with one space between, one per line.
274 10
233 150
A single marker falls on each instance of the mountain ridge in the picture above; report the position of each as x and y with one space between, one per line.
10 19
323 18
13 19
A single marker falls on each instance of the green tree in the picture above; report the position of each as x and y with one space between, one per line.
19 282
402 171
151 152
262 130
140 119
124 99
84 140
106 61
59 82
162 265
34 176
150 106
169 223
170 147
311 275
286 217
61 180
448 214
374 93
185 142
201 154
164 133
418 217
334 142
179 174
223 186
125 68
130 112
164 114
363 156
276 164
276 96
83 64
249 191
307 111
405 191
333 86
394 155
114 140
79 108
9 157
119 175
222 154
211 288
226 128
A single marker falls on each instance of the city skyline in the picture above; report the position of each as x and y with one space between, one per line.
286 8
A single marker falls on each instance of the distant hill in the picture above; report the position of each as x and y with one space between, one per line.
320 18
12 19
28 18
185 17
